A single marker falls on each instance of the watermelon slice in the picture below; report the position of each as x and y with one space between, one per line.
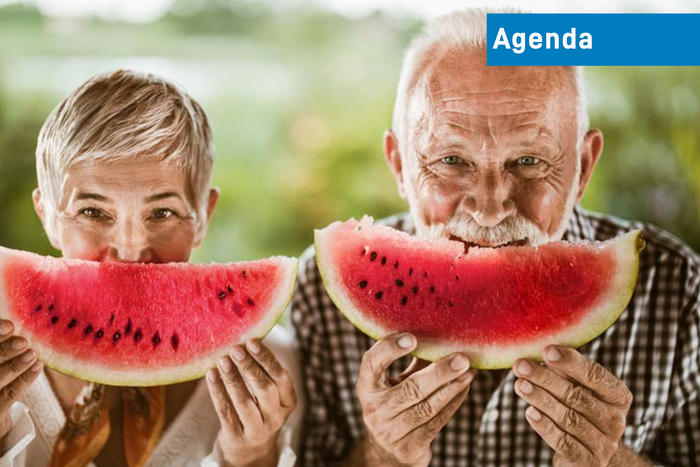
495 305
140 324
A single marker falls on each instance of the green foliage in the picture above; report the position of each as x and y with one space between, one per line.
298 101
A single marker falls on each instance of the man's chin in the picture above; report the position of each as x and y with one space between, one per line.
481 244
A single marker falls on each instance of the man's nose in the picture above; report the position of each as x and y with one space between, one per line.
130 243
489 201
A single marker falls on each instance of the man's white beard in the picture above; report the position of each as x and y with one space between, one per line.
513 228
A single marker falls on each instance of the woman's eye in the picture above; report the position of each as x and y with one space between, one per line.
528 160
91 213
450 160
162 213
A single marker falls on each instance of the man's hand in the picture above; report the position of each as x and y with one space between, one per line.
404 416
18 370
578 407
253 396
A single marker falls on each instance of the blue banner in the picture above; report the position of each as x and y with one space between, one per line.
593 39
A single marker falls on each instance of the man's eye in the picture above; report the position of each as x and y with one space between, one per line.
162 213
91 213
450 160
528 160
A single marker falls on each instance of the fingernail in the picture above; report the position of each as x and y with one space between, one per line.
211 376
524 368
19 343
28 356
406 342
458 363
552 354
37 366
5 328
254 346
225 365
237 353
533 414
525 387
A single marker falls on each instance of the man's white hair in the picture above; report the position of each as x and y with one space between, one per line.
462 28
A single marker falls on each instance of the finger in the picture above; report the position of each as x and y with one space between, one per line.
567 420
605 385
12 368
13 391
429 408
561 442
260 385
247 409
423 383
380 356
10 348
608 420
6 329
416 365
280 377
222 402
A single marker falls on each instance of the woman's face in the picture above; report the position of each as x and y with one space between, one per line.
130 211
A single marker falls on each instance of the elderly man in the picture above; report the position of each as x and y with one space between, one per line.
494 156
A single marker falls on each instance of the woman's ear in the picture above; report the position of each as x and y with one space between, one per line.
212 201
45 217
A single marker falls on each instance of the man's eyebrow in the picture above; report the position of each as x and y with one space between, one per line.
93 196
162 196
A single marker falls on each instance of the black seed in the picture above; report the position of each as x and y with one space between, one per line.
138 335
364 252
414 290
127 329
404 300
38 308
99 333
175 341
378 295
54 319
363 284
222 295
399 283
432 289
111 319
72 323
396 265
373 256
451 304
244 274
88 329
117 335
230 290
383 260
51 307
410 271
425 275
251 302
155 339
457 278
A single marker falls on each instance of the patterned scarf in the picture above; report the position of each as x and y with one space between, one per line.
87 426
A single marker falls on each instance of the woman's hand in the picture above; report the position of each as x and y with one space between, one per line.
253 396
18 370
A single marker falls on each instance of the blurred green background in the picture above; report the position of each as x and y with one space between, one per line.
298 100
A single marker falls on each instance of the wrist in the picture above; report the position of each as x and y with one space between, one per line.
259 456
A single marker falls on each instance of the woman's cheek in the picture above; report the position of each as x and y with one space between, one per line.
86 242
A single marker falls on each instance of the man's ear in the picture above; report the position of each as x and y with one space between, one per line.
45 218
212 201
591 150
393 158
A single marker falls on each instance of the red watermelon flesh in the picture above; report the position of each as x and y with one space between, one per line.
496 305
140 324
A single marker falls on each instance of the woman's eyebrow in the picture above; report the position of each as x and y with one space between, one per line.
93 196
162 196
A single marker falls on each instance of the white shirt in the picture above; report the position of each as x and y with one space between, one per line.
189 441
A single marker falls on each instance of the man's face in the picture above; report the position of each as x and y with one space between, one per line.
490 154
131 211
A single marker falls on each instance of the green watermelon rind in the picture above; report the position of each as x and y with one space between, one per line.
90 371
608 310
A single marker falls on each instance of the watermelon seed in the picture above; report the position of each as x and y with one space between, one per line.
363 252
137 335
396 265
72 323
175 341
451 304
410 271
230 290
432 289
54 319
457 278
117 335
99 333
88 329
373 256
38 308
244 274
111 319
425 275
378 295
251 302
363 284
399 283
155 339
414 290
51 307
383 260
127 329
222 295
404 300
